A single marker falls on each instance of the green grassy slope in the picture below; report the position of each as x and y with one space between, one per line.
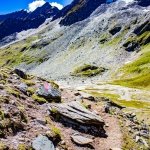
137 73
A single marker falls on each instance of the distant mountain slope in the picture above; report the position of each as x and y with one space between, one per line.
17 15
78 10
22 20
113 35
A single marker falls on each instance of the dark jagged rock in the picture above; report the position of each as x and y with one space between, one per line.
22 20
42 143
115 30
142 28
40 44
20 73
131 46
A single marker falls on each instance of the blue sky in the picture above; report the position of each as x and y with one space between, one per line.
7 6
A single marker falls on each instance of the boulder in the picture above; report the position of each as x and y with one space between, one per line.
48 92
76 112
77 94
23 87
20 73
81 140
115 30
115 149
91 98
42 143
88 97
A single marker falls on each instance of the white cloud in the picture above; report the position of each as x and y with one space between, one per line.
59 6
35 4
128 1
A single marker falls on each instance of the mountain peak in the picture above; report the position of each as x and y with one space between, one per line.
78 10
24 19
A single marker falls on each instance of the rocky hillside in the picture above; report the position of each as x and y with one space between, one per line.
23 20
114 34
36 114
78 10
98 53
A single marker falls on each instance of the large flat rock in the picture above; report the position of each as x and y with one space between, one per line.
76 112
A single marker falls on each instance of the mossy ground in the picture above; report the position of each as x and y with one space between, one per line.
56 131
136 104
38 99
22 147
140 108
13 92
87 71
3 146
20 52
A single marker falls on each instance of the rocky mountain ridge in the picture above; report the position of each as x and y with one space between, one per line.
23 20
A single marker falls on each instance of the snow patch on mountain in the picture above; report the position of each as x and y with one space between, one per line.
55 4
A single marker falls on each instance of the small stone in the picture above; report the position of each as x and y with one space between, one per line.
42 122
9 81
62 142
81 140
95 112
49 134
91 98
1 87
107 108
77 94
115 149
106 125
137 138
23 87
89 106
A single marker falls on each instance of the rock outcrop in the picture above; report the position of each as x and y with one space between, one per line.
49 92
76 112
74 115
78 10
21 73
